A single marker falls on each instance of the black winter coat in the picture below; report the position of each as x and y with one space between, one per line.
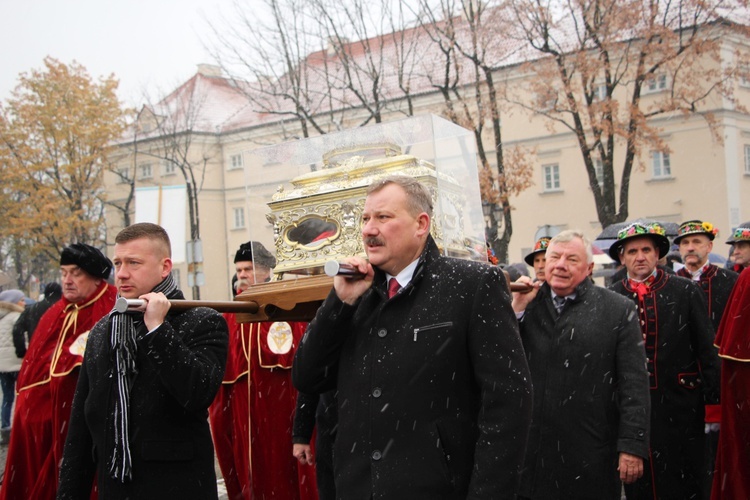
180 368
591 396
683 367
434 393
717 284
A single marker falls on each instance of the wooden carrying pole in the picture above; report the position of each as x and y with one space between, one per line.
284 300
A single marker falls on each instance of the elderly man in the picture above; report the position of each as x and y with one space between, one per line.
139 423
253 436
434 394
682 363
740 241
49 373
695 240
590 424
536 258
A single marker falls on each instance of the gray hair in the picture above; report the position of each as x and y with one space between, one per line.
418 197
569 235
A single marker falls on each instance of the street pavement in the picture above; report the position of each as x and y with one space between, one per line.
220 482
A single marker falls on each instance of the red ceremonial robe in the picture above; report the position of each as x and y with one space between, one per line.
259 463
46 384
732 476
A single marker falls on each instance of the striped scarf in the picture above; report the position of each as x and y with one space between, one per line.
122 335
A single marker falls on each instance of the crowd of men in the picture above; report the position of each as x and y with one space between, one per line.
424 377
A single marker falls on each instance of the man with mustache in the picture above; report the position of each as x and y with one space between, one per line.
696 241
433 389
49 373
536 258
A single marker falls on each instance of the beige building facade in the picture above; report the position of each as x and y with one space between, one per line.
700 176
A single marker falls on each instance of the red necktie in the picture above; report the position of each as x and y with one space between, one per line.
393 287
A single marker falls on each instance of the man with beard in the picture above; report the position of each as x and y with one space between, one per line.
49 373
682 364
139 423
433 389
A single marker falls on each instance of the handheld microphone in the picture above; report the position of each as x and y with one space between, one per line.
334 268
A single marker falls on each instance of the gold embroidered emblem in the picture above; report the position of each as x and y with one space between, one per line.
78 346
279 338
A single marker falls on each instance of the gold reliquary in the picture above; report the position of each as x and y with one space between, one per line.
318 218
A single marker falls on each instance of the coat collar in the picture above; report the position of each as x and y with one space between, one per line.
429 254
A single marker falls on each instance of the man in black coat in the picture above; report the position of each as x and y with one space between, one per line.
590 423
695 239
29 318
434 393
140 414
682 363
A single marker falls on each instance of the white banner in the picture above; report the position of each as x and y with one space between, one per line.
166 206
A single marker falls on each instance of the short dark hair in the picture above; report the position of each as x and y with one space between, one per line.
148 230
418 197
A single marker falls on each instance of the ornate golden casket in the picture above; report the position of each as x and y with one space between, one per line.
312 192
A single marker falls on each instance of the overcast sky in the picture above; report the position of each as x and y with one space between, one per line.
149 45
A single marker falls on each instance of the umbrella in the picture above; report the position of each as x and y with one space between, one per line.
610 232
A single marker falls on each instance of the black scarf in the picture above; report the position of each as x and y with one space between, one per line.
122 335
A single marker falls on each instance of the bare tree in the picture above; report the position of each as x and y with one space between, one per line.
465 32
303 65
171 132
592 62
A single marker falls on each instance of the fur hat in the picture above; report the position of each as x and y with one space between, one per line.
696 227
255 252
540 246
653 230
741 233
12 296
88 258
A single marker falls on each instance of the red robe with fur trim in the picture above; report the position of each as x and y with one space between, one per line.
46 385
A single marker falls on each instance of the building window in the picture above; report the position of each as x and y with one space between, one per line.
551 177
744 74
660 165
656 83
546 101
239 218
599 169
235 162
144 171
747 159
600 92
123 175
168 168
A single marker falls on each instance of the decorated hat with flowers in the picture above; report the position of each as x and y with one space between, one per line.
539 247
653 230
696 227
741 233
